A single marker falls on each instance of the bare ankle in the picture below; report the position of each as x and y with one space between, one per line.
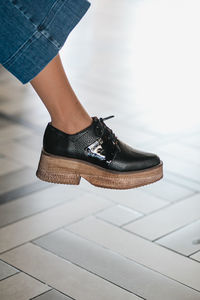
72 127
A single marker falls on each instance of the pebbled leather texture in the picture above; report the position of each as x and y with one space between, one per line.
97 144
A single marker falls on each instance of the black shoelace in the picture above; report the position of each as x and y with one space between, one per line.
110 134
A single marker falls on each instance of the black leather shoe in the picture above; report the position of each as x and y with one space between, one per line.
96 154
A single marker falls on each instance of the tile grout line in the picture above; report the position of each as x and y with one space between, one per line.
51 231
40 294
53 289
76 264
177 229
20 270
138 263
146 239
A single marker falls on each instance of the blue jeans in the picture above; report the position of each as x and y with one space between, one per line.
33 31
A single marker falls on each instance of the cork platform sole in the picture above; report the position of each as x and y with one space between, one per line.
59 169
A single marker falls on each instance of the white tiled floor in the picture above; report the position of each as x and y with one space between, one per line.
139 61
167 220
138 249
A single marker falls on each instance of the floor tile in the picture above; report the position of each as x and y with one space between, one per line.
193 140
115 268
118 215
115 69
49 220
63 275
182 152
6 270
167 220
185 240
21 287
12 131
52 295
41 119
18 104
149 254
16 179
193 185
168 191
180 167
18 121
135 199
2 156
21 154
36 202
8 86
3 122
22 191
196 256
8 165
34 141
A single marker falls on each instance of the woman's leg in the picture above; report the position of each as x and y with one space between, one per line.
54 89
97 152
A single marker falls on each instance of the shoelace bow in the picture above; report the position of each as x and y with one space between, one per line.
111 134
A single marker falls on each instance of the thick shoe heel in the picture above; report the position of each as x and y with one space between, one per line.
51 169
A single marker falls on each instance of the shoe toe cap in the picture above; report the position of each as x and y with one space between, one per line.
143 161
130 159
152 160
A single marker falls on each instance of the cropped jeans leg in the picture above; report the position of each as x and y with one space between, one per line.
33 32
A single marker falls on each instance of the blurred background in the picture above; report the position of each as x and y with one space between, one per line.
139 61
